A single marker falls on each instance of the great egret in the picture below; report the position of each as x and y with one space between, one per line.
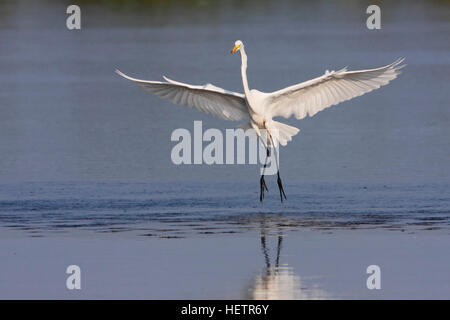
259 108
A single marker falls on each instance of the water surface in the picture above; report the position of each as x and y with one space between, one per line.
86 175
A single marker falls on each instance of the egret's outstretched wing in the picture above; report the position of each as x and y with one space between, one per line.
208 98
333 87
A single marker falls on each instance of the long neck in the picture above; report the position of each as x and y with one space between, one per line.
244 71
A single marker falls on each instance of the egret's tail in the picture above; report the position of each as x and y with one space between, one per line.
284 131
279 131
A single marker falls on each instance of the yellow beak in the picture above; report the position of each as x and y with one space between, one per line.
235 49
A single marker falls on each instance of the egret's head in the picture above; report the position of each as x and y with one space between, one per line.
237 46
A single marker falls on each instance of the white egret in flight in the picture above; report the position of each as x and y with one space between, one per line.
258 108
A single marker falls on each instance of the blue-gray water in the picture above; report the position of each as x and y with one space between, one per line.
65 116
165 209
82 149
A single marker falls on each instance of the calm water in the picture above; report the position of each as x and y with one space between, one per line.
66 116
83 150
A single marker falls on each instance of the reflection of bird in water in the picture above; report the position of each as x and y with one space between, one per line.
279 282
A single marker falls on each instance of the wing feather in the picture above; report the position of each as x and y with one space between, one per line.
310 97
208 98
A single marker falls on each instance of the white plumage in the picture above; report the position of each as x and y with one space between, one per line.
208 98
333 87
259 108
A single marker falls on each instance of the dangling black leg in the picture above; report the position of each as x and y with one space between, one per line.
263 186
262 182
280 186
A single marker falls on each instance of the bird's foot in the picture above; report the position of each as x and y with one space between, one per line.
263 186
280 187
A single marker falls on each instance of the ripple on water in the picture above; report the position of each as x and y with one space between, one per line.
172 211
